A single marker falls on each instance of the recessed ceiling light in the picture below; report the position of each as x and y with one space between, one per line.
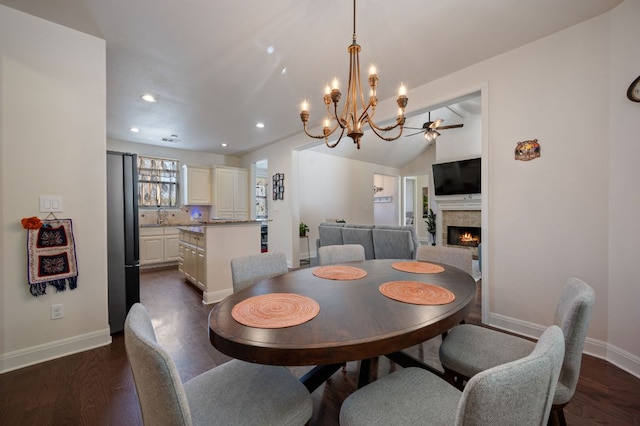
134 130
260 125
284 70
270 50
149 98
224 145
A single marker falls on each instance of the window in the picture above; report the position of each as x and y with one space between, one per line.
157 182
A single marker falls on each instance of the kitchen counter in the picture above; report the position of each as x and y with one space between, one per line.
207 250
200 228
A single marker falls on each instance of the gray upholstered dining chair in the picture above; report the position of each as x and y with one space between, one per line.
248 270
234 393
517 393
329 255
469 349
459 257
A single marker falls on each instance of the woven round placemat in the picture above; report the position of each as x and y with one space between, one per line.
418 267
417 293
339 272
275 310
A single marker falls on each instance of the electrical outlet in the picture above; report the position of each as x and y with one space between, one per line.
57 311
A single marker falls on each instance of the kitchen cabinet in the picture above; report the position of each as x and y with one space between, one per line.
158 245
171 240
192 255
230 193
196 185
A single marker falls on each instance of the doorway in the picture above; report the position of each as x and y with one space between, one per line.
386 205
262 202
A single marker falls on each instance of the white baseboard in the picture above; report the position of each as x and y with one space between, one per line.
36 354
597 348
215 296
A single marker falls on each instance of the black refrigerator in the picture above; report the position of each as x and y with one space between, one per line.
122 236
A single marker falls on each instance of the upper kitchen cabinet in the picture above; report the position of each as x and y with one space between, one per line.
230 193
196 185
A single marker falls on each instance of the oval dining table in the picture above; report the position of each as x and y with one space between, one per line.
355 320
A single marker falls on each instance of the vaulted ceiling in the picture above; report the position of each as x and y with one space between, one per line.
219 67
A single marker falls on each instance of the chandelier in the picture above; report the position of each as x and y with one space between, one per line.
355 112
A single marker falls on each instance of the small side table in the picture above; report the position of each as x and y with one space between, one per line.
306 261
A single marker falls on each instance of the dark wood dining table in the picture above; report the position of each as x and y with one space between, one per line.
355 321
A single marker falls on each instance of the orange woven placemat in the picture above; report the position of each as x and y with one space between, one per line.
275 310
418 267
339 272
417 293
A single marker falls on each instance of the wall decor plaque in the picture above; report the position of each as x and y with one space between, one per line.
527 150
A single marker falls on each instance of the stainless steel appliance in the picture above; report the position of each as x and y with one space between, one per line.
122 236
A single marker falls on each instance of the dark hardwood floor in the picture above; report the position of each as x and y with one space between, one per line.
96 387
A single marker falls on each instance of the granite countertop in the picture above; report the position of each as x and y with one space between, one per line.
200 224
200 228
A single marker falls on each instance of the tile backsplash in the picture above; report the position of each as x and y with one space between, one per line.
183 216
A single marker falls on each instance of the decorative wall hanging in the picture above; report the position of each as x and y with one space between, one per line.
527 150
633 92
278 186
51 255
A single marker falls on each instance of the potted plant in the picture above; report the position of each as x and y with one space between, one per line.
431 225
304 228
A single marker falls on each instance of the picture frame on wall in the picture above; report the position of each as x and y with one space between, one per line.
278 186
425 201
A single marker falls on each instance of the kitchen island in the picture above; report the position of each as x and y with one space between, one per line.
206 251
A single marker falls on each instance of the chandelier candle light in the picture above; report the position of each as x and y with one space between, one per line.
351 119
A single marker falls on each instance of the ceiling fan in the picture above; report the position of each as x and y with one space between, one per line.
430 129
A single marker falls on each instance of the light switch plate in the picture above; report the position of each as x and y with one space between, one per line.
50 203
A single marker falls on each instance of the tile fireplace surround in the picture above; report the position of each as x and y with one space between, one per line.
459 214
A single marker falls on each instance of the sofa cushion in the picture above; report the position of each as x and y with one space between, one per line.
393 244
359 234
408 228
330 233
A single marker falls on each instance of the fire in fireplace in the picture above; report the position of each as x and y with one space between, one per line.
466 236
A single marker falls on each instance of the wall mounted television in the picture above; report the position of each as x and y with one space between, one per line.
457 177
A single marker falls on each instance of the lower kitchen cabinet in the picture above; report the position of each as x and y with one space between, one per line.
192 257
158 245
171 244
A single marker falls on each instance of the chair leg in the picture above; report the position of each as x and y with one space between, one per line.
563 421
556 418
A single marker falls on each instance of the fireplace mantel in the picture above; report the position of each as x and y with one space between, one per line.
464 204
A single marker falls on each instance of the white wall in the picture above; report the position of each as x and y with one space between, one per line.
52 142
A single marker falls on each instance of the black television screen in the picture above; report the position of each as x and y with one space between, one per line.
457 178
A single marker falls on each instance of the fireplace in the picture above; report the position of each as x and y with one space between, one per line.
465 236
456 218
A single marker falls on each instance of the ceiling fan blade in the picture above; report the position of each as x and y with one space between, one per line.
453 126
414 128
436 123
416 133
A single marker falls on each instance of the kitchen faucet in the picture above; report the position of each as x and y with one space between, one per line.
162 212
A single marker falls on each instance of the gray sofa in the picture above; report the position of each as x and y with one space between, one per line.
379 241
